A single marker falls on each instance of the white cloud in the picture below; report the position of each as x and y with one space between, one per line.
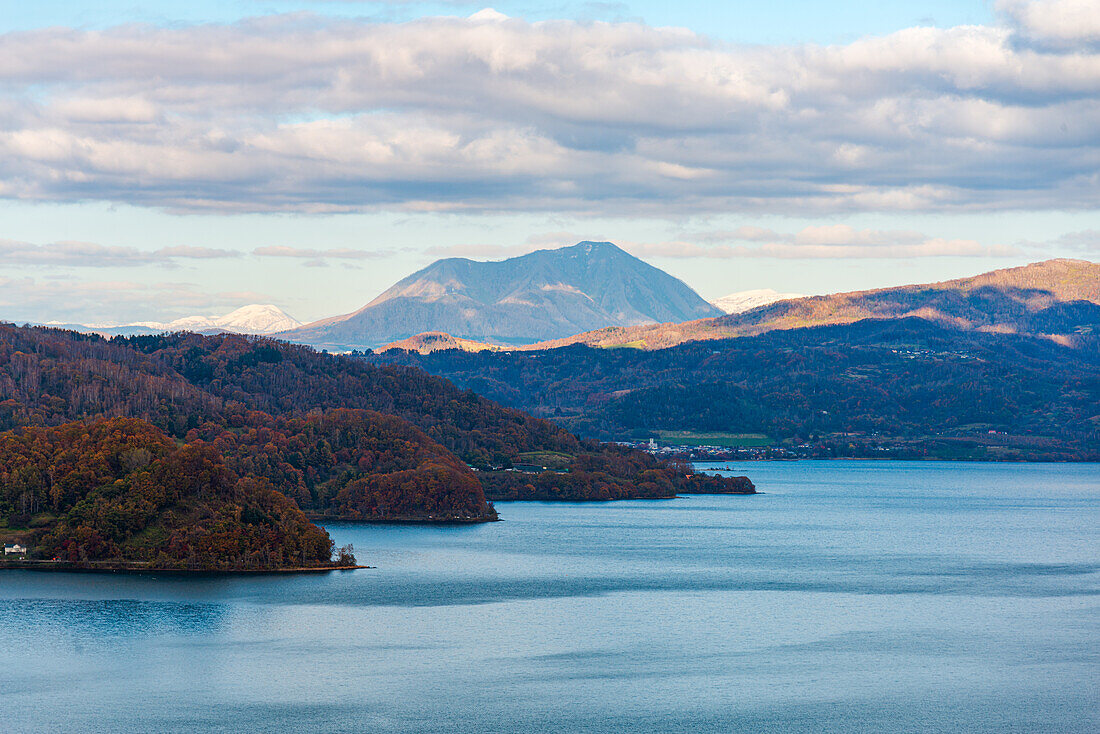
123 301
315 257
1086 242
1063 23
930 247
483 250
90 254
817 242
336 253
488 15
812 242
304 114
107 110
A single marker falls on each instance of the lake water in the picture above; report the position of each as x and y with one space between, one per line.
852 596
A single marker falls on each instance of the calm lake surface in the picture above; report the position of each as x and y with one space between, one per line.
852 596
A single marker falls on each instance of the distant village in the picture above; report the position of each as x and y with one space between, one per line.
839 446
750 453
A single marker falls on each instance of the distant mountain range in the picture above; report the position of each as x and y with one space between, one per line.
548 294
884 388
1054 297
1005 362
1003 365
253 319
747 300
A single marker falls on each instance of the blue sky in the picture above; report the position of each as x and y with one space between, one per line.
778 21
164 159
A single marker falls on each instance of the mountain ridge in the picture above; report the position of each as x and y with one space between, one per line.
1024 299
256 318
877 388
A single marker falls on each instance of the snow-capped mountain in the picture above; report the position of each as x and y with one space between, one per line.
747 300
258 319
253 319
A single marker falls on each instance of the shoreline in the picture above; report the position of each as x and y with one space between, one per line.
887 459
681 495
320 519
137 569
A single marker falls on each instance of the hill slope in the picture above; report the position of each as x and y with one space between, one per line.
546 294
437 341
119 492
310 423
925 387
1042 298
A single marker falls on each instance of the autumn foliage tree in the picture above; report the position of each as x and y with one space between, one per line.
343 438
120 489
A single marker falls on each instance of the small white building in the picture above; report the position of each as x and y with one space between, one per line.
15 548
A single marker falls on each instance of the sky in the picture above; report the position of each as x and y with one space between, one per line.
163 159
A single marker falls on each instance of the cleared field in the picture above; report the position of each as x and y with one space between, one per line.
731 440
636 344
549 459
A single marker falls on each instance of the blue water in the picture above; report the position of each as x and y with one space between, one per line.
851 596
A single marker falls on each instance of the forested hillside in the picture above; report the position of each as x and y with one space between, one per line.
120 491
344 438
864 383
1055 297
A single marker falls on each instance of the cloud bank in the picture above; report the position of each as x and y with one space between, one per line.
812 243
27 298
90 254
303 114
1058 23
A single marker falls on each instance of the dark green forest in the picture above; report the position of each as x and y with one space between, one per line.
905 380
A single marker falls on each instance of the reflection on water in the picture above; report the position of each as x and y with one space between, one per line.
851 596
102 619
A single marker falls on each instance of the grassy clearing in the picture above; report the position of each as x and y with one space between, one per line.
729 440
549 459
149 538
636 344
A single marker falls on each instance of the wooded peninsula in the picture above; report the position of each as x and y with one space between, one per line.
183 451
